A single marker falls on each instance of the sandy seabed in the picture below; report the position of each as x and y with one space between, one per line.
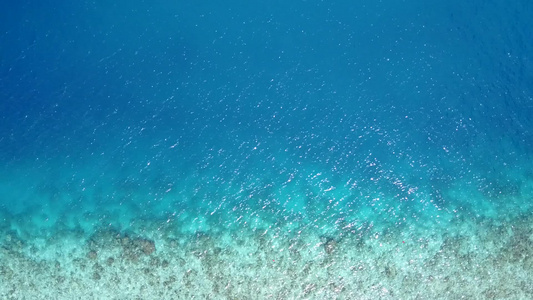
471 259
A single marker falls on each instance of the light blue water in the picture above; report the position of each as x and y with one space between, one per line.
227 116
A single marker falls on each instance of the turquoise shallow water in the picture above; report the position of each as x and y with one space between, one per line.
332 150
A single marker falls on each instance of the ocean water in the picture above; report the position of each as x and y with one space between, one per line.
266 149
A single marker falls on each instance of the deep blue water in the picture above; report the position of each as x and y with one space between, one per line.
389 112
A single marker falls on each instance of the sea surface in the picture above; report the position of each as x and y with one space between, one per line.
266 149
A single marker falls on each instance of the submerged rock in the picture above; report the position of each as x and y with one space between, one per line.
146 246
330 245
92 255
